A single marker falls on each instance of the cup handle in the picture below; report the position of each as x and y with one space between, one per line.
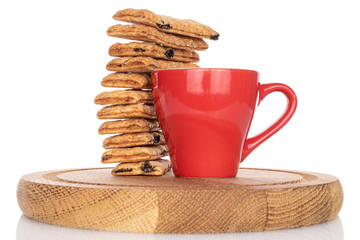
251 143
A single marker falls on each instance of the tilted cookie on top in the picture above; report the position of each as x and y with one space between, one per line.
184 27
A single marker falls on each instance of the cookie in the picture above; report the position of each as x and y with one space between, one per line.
152 50
124 97
133 140
131 125
150 34
127 80
144 64
127 111
134 154
167 24
154 168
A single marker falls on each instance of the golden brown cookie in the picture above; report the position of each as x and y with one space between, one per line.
124 97
127 80
154 168
144 64
127 111
131 125
133 140
167 24
144 49
134 154
150 34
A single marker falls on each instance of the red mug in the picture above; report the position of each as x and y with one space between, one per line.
205 114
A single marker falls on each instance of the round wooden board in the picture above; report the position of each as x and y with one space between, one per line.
255 200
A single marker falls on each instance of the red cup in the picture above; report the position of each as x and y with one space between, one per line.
205 115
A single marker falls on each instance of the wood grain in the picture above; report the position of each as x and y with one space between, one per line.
255 200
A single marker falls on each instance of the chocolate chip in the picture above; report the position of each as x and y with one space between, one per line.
124 170
215 37
164 26
104 158
169 53
147 167
139 50
156 139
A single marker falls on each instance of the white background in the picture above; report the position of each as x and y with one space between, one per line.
53 56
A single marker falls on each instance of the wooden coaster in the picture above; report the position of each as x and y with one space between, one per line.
255 200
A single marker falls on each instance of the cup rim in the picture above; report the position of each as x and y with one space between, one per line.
203 69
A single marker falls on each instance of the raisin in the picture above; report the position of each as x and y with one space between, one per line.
139 50
156 139
169 53
215 37
124 170
104 158
147 167
164 26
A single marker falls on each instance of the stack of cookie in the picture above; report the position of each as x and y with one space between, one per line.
139 143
